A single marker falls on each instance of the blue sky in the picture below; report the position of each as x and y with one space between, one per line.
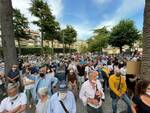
86 15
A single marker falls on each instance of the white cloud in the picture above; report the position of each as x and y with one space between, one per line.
57 7
84 32
101 1
24 5
126 9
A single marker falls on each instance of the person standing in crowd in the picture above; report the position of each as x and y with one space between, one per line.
13 75
118 90
43 80
131 81
72 82
141 101
88 68
61 72
42 104
29 86
50 71
2 85
72 66
15 102
62 101
91 93
81 73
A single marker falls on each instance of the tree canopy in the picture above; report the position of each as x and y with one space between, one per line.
21 27
124 33
20 23
99 40
49 27
69 34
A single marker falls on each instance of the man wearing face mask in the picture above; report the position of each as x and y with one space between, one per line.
15 102
13 74
62 101
91 93
118 90
43 80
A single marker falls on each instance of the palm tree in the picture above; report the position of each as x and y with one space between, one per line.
48 26
20 23
8 42
145 68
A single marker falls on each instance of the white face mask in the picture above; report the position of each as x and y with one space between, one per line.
148 93
62 96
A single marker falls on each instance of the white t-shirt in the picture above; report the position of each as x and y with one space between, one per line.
8 105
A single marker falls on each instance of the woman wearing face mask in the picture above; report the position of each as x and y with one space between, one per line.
141 102
72 82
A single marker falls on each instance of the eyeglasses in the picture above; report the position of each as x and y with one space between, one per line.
14 67
148 88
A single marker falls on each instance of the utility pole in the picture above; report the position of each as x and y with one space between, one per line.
63 44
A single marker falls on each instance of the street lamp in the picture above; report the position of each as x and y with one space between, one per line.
63 43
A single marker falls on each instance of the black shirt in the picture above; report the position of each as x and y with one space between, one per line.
141 107
130 85
13 74
81 70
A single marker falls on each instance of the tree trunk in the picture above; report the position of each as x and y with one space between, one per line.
65 48
42 52
145 67
19 46
120 49
69 49
52 47
8 42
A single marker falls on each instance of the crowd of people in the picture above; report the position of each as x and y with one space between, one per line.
54 85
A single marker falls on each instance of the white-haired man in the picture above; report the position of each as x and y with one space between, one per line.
42 105
91 93
15 102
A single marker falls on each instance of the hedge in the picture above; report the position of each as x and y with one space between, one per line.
47 50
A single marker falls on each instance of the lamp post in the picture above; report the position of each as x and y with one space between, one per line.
63 44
